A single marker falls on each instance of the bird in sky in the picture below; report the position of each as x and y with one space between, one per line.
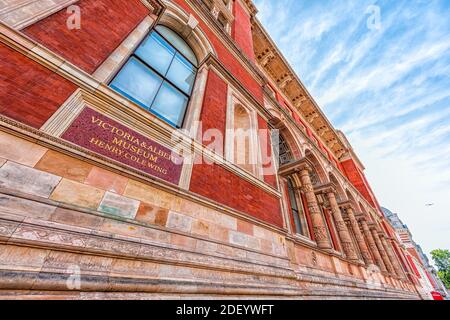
429 205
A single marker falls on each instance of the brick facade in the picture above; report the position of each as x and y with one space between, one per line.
105 24
235 193
29 92
133 234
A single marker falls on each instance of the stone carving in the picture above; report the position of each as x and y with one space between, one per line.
341 227
318 223
314 258
359 237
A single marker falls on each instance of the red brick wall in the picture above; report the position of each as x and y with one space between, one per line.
355 177
218 184
413 266
29 92
104 25
227 58
242 30
214 110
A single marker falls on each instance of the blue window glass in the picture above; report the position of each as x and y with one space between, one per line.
156 52
171 104
138 82
160 75
182 74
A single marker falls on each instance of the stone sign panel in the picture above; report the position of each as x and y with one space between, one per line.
100 134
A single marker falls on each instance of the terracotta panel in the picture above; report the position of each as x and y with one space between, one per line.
106 180
78 194
27 180
117 205
20 150
64 166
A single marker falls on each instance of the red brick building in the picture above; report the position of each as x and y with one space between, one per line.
156 148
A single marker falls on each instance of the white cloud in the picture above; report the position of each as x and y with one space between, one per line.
387 89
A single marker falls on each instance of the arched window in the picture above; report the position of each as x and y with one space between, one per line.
295 208
243 146
285 154
160 75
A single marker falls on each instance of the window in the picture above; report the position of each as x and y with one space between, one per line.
160 75
294 208
285 155
244 155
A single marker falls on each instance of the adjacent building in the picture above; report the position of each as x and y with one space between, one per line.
166 148
424 271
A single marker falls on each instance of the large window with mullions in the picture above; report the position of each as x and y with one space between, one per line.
160 75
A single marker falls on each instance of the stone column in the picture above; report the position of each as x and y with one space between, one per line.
344 235
381 249
391 256
317 220
359 237
409 272
398 254
372 245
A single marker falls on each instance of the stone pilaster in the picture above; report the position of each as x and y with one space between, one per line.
358 235
400 258
384 256
391 256
317 220
341 227
372 245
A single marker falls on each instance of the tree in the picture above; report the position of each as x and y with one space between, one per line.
442 260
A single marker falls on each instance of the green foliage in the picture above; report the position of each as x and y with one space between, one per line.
442 260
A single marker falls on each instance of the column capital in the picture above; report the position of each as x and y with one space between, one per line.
372 225
296 167
360 216
325 189
345 204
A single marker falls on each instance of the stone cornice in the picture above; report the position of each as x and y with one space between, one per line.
289 83
250 7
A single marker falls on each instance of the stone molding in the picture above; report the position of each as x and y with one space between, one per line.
21 14
21 231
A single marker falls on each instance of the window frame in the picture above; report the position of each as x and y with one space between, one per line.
164 79
234 98
296 213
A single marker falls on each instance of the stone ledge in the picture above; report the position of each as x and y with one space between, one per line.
47 282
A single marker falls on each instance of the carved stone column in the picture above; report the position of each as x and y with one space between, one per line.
391 256
381 249
398 255
358 235
317 220
372 245
341 227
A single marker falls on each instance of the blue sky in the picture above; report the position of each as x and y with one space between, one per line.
387 86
